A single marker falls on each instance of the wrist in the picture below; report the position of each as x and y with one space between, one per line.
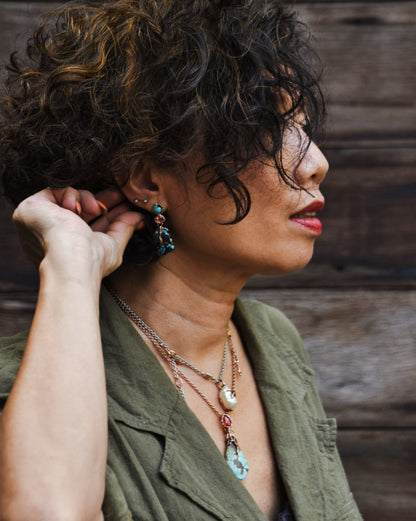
79 273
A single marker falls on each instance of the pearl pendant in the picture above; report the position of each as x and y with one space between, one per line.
227 398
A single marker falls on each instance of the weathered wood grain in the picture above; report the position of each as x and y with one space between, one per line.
370 203
362 2
363 348
16 312
368 53
16 22
15 271
381 468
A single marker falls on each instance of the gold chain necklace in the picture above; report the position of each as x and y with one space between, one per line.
227 397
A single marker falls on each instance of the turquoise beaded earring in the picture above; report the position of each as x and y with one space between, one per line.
162 238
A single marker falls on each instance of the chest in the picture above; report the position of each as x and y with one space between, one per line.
249 425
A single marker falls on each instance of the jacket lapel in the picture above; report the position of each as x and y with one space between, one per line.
193 464
297 437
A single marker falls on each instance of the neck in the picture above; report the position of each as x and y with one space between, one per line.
190 311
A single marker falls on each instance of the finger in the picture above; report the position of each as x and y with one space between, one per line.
102 224
81 202
99 204
68 198
91 207
110 197
123 228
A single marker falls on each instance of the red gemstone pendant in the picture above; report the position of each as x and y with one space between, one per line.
226 420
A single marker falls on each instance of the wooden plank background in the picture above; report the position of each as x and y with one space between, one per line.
355 303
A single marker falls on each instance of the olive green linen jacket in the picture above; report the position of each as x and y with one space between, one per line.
162 463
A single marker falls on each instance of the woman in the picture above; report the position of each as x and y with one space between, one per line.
168 148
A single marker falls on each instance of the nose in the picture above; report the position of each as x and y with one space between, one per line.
313 168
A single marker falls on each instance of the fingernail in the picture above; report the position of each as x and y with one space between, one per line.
104 209
78 208
140 226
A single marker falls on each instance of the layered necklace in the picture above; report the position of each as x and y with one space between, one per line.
226 396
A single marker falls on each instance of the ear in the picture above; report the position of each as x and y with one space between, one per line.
143 187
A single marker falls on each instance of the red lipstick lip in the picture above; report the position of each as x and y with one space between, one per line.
314 207
311 223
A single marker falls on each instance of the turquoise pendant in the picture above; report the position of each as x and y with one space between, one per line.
236 460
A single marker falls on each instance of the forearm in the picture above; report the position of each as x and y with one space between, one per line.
53 431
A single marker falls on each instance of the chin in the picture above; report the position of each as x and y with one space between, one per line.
288 265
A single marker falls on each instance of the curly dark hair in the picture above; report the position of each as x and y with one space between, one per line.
107 86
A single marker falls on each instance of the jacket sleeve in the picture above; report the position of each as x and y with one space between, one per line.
11 352
115 506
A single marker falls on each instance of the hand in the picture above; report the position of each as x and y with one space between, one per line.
74 229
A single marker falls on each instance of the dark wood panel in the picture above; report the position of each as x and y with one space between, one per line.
361 12
368 53
363 349
15 271
362 2
16 21
370 206
16 312
381 468
339 274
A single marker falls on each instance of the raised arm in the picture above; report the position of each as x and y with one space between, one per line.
53 430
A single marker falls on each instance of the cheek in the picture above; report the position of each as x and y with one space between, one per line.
194 212
264 237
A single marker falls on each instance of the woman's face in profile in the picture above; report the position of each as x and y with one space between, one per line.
278 234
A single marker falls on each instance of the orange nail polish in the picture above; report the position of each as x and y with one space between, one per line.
104 209
140 226
78 208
